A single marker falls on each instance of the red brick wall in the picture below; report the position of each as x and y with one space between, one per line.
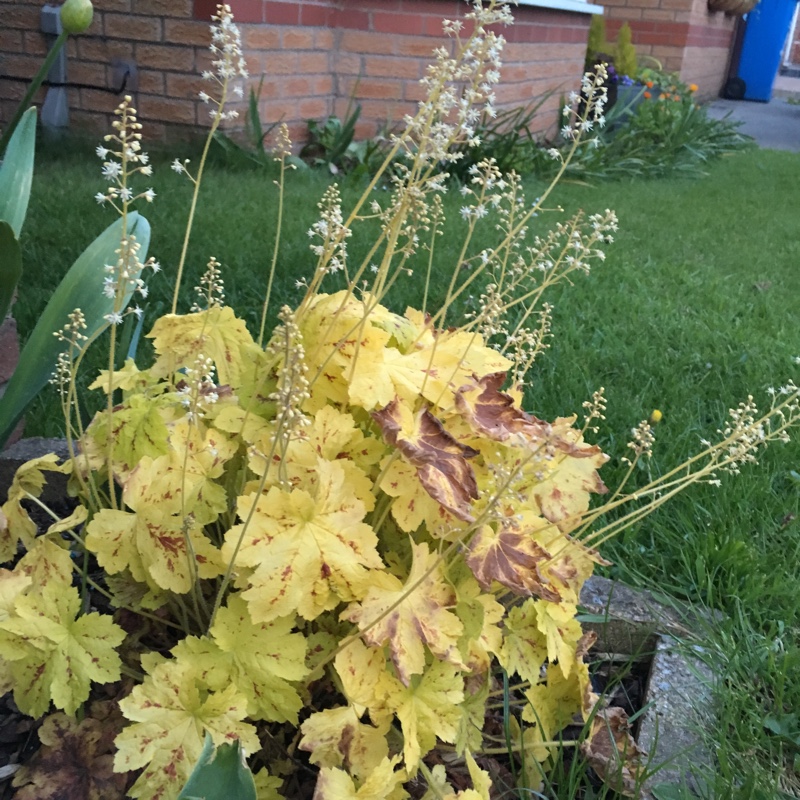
315 55
794 47
683 35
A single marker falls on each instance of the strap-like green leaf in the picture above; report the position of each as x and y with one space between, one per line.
10 267
223 775
16 173
81 287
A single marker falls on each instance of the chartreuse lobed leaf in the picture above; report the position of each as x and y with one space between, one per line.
310 549
12 585
55 654
220 774
80 288
171 712
428 709
28 482
336 737
383 783
16 173
408 616
262 660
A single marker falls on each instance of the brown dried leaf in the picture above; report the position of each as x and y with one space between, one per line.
440 460
511 558
612 752
75 761
493 413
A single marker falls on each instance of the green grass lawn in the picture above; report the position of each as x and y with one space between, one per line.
694 309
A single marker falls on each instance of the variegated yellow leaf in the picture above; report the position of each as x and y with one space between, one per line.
28 480
336 737
215 333
170 714
411 615
262 661
308 551
383 783
428 709
56 654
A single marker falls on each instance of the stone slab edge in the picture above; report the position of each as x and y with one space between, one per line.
13 457
678 696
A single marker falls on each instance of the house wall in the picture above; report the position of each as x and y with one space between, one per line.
682 35
316 57
794 46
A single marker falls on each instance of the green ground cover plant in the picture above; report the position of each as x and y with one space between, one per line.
688 308
659 327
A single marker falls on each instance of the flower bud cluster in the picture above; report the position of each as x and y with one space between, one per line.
458 88
123 159
595 409
123 279
331 231
199 388
211 287
293 387
72 334
642 441
228 63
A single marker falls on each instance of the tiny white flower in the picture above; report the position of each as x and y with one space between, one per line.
111 169
155 266
137 311
176 166
100 197
125 194
114 318
149 195
101 151
238 91
146 170
204 96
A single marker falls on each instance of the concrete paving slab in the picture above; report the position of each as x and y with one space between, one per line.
774 125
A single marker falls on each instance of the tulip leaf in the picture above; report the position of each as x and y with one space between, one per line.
16 173
80 288
220 775
10 267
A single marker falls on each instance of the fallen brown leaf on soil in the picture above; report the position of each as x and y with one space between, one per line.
612 752
75 761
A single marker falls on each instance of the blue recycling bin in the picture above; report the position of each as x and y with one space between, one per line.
764 36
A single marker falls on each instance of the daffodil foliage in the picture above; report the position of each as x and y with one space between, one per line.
370 544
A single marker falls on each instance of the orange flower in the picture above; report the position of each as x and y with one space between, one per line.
649 84
676 98
693 87
647 95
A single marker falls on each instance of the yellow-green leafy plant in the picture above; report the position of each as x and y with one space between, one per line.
333 542
625 52
597 42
